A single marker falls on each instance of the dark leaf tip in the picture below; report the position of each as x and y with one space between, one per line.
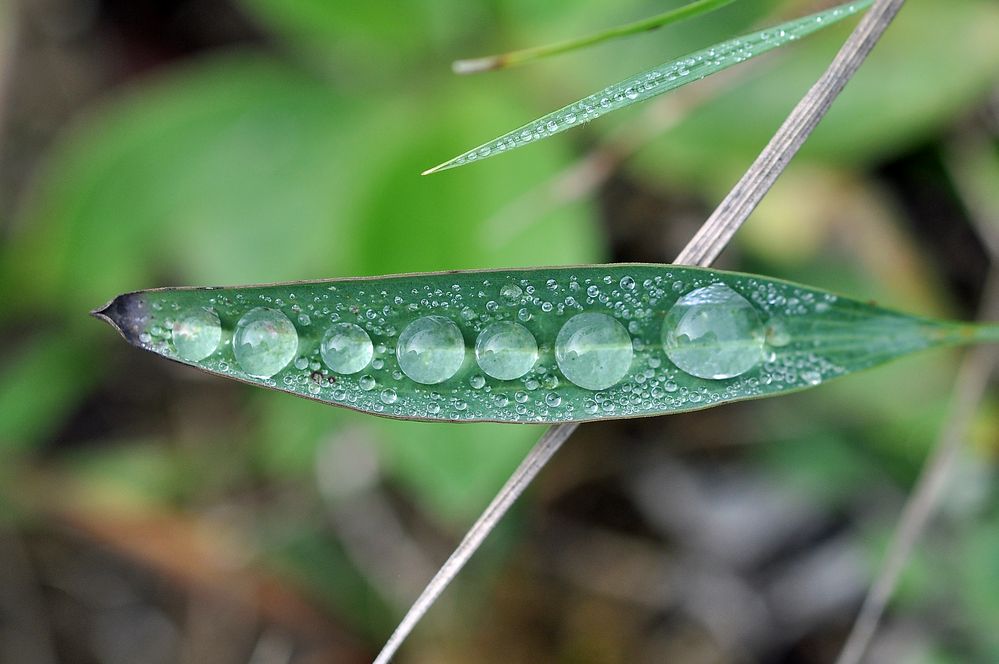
127 314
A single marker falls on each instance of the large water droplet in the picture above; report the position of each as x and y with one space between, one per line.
265 342
713 332
431 350
346 348
506 350
197 335
593 350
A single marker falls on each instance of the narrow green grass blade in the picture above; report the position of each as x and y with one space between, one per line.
536 345
523 56
666 77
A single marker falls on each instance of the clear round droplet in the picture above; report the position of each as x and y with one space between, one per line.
506 350
593 350
367 383
388 396
431 350
346 348
714 333
197 335
264 342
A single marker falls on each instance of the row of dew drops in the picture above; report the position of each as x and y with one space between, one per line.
711 332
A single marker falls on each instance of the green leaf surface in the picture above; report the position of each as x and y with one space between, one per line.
535 346
647 84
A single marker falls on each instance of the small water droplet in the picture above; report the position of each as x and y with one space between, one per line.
367 383
593 350
553 399
477 382
776 333
346 348
511 292
388 396
197 335
811 377
431 350
713 332
627 283
265 341
301 363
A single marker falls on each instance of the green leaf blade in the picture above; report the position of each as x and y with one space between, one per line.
761 337
653 82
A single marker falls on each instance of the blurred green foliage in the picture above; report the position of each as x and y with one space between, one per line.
245 166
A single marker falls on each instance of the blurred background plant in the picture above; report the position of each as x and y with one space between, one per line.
153 514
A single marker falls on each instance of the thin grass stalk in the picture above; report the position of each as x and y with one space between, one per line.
969 389
523 56
704 247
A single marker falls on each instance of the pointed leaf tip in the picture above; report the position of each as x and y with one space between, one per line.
127 314
435 169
